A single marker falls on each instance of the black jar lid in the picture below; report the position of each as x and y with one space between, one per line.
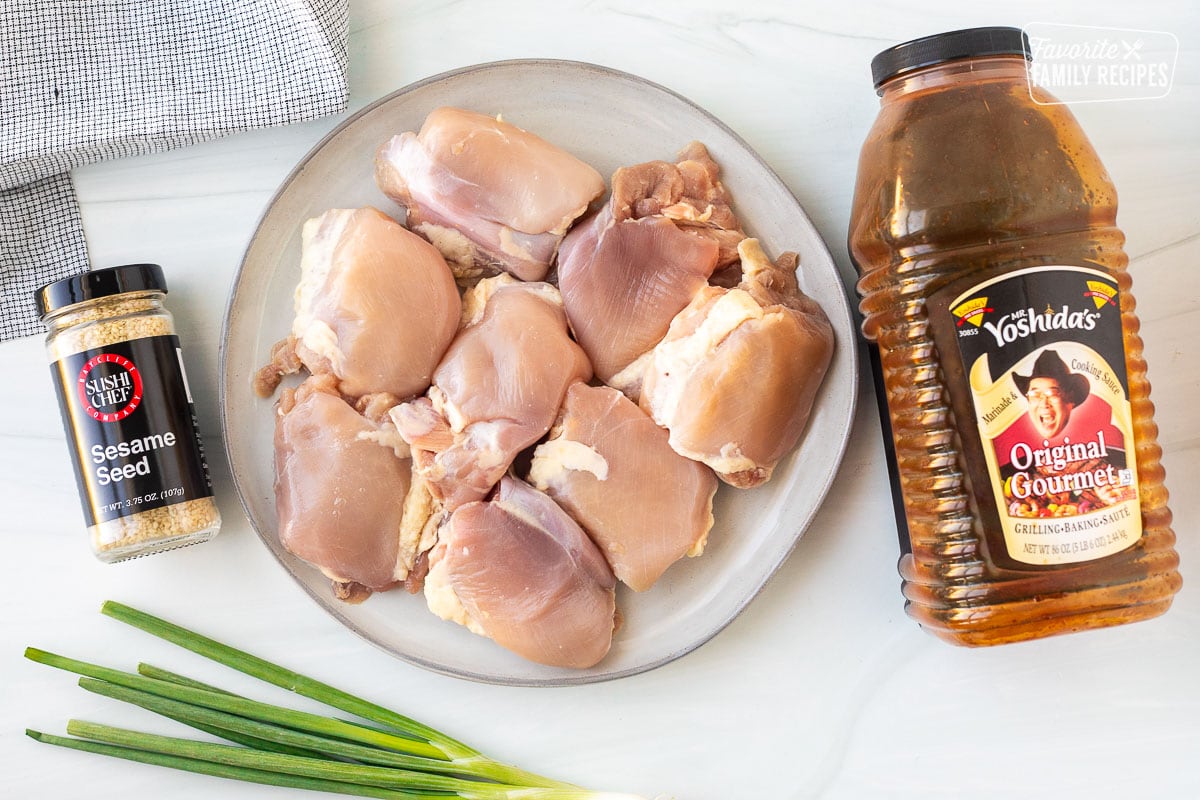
941 47
99 283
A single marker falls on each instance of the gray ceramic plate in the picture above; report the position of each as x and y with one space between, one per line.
608 119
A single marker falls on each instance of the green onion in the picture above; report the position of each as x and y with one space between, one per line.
160 674
363 775
284 678
402 759
191 715
321 692
151 671
224 771
249 741
301 720
215 723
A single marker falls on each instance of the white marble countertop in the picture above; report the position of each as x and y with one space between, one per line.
822 688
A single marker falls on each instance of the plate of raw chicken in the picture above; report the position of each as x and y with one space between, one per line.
534 373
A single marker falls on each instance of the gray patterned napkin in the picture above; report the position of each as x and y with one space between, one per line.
83 81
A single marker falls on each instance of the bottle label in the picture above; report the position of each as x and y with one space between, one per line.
128 410
1041 356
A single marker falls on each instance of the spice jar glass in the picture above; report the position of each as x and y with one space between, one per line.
128 412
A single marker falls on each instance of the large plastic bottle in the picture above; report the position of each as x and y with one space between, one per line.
995 288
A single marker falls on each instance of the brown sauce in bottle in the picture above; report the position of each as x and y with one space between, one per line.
974 207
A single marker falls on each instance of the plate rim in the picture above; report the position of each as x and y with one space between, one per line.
565 679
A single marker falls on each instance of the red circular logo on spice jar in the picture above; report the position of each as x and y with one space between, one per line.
110 387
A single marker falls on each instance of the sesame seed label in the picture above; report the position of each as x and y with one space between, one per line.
128 410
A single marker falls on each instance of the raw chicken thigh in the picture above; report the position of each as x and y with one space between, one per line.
612 469
340 488
626 272
688 192
490 196
376 306
518 570
496 392
735 378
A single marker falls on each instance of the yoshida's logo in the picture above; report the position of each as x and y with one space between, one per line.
971 311
1101 293
110 387
1025 322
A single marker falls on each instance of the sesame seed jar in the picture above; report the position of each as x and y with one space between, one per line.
128 413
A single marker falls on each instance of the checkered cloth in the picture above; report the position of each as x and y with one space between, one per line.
84 81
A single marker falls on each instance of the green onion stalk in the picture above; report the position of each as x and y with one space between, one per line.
388 755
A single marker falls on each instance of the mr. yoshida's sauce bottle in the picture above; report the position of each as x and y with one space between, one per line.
994 287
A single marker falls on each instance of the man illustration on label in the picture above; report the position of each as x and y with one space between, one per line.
1053 392
1064 456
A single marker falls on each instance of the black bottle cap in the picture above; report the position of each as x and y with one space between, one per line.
930 50
99 283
